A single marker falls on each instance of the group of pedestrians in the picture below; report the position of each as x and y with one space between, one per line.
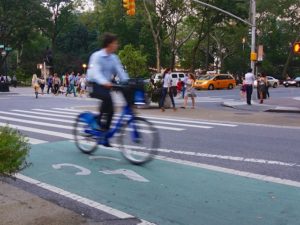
262 87
184 88
64 85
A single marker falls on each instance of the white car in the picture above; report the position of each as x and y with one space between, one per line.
273 82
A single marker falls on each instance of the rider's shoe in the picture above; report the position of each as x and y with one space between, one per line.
107 144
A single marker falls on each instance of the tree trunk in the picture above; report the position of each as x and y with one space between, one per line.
157 47
194 53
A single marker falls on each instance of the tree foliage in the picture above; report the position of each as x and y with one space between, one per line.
134 61
171 33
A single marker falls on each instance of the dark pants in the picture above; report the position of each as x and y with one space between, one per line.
49 88
56 87
183 91
267 91
42 86
249 90
71 89
163 97
106 108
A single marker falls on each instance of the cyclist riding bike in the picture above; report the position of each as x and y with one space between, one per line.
103 66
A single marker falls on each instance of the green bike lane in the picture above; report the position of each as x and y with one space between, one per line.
164 192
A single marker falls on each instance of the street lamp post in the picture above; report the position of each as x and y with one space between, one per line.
84 67
252 24
253 33
4 53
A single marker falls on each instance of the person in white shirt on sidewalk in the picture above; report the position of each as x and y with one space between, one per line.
249 81
167 89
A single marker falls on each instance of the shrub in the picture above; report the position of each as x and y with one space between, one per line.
155 92
14 148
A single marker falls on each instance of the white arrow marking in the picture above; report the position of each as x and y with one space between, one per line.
104 157
83 171
130 174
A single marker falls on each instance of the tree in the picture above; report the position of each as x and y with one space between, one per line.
18 20
135 63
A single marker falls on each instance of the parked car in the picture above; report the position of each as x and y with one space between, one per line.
273 82
176 76
216 81
292 82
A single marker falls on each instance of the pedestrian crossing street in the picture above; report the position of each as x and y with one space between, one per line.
56 124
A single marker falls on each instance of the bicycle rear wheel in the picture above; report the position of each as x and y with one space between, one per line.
139 141
83 135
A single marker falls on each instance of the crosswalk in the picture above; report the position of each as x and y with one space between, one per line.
55 124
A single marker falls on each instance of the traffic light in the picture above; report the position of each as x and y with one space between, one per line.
296 47
129 5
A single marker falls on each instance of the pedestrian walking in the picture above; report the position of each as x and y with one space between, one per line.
183 86
14 81
35 85
42 84
179 86
71 85
243 89
56 83
167 89
49 84
82 83
249 80
190 91
261 87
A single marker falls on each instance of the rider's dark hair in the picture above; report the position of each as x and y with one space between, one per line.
107 39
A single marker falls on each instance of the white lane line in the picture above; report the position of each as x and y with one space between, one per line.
57 112
40 131
180 124
37 123
36 117
115 117
34 141
191 121
44 114
158 122
224 157
72 121
234 172
224 170
73 110
82 200
218 169
168 119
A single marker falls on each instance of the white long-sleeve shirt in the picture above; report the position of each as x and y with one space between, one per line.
249 78
103 66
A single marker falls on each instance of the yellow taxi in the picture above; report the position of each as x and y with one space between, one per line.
215 81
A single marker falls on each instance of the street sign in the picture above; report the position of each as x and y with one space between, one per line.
1 46
260 56
253 56
8 49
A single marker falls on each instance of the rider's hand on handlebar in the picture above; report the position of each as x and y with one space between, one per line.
108 85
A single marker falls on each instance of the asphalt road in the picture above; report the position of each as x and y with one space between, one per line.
189 149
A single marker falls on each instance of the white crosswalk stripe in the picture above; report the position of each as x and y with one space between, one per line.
48 125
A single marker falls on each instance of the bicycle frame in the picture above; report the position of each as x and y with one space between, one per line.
127 111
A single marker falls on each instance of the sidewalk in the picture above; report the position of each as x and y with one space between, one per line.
19 207
281 105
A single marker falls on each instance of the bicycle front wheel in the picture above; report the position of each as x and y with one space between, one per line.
139 141
84 139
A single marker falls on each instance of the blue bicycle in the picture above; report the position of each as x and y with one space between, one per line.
137 138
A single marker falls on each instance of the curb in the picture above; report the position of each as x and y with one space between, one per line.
260 108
